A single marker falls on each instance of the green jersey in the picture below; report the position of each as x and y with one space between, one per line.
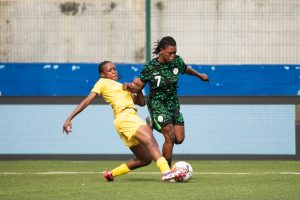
163 78
162 100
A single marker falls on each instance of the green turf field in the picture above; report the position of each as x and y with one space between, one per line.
64 180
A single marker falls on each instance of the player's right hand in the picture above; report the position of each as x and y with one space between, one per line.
127 86
204 77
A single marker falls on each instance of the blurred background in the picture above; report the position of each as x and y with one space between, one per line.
207 32
50 51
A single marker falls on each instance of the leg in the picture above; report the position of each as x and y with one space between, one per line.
142 158
145 151
179 133
162 121
139 137
169 133
145 136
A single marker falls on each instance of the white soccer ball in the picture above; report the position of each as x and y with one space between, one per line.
185 168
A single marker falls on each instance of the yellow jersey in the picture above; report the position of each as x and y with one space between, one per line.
113 93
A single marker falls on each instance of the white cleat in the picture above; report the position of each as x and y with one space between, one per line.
168 177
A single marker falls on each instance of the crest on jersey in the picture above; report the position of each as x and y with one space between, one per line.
175 71
160 118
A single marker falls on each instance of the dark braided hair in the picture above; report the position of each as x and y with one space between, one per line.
163 43
101 66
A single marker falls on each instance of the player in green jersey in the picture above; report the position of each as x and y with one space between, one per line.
162 74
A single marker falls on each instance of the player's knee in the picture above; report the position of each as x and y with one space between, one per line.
179 140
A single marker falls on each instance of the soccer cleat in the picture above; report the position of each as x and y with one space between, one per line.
168 176
107 175
172 177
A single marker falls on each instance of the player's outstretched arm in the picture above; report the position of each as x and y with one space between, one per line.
67 127
192 72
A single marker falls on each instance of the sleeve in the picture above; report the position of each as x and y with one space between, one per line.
181 65
98 87
144 76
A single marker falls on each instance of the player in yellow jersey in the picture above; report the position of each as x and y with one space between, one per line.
135 133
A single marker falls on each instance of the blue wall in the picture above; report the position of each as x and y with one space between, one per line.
37 129
77 79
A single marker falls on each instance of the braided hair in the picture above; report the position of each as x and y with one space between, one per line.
163 43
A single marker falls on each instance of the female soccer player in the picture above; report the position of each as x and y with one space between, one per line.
162 74
135 133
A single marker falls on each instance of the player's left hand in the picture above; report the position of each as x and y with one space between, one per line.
67 128
204 77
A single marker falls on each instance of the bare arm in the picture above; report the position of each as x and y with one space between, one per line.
67 128
134 87
192 72
139 98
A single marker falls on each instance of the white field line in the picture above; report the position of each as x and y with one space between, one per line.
149 173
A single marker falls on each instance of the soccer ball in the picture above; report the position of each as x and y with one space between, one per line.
185 168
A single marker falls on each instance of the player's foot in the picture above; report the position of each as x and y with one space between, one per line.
168 177
149 122
173 177
107 175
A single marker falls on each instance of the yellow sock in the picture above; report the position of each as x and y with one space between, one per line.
162 164
122 169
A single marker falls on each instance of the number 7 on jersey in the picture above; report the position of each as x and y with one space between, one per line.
158 78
